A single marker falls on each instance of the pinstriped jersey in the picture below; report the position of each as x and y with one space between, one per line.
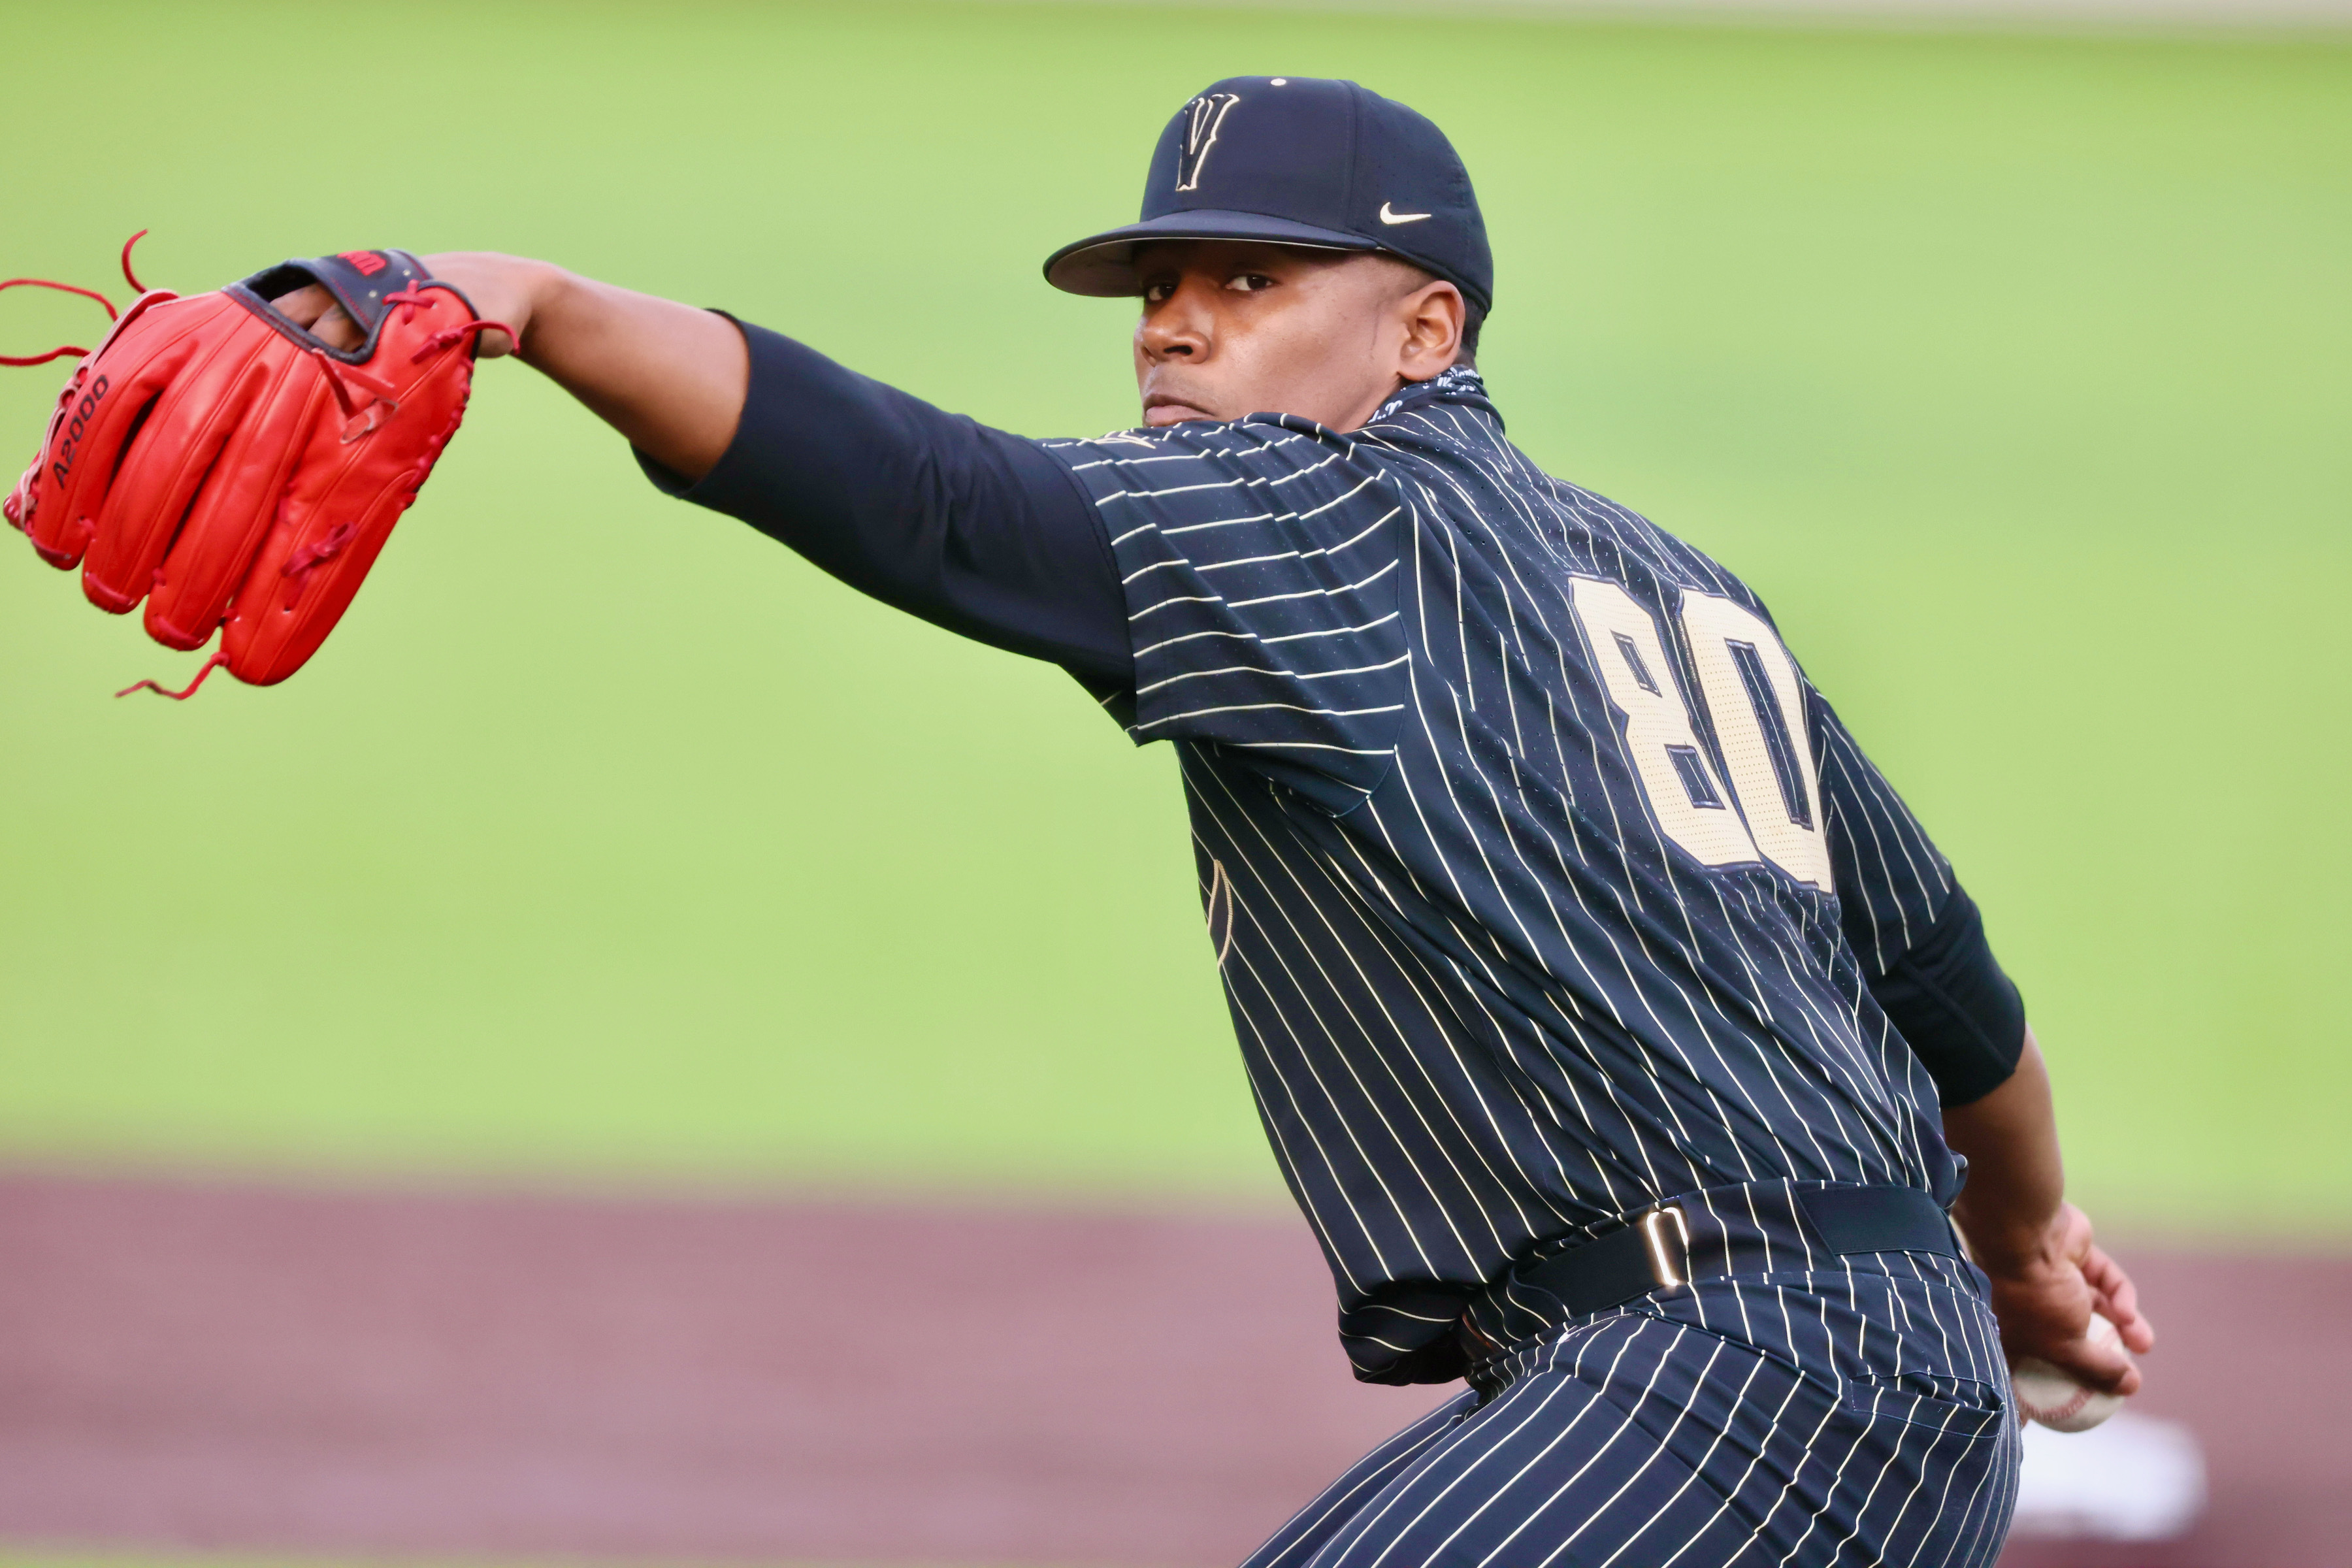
1533 864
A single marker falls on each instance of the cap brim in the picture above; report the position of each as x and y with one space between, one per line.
1103 264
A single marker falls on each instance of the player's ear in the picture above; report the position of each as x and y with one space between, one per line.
1432 317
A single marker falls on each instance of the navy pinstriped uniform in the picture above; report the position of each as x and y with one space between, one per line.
1545 890
1598 996
1524 848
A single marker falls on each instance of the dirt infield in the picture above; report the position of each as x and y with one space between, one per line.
219 1366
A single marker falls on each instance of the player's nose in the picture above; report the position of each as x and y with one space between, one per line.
1179 327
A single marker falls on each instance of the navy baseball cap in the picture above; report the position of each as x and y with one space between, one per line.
1298 160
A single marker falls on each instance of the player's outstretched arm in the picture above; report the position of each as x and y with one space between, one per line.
972 529
670 378
2048 1277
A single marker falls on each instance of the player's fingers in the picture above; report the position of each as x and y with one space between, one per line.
2118 1301
2137 1332
2099 1364
2075 1230
311 306
304 305
2103 1275
338 330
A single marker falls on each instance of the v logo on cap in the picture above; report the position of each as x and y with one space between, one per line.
1301 160
1203 115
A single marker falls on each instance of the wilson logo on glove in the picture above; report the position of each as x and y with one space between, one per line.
232 471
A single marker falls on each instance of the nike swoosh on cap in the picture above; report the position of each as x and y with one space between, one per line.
1388 216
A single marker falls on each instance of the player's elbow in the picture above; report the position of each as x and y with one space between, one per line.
1955 1007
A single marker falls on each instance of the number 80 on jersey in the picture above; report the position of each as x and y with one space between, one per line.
1771 809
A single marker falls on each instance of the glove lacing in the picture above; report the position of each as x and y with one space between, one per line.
111 313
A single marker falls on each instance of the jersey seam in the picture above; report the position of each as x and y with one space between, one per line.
1412 656
1101 534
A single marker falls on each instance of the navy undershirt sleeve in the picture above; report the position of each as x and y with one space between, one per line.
1953 1004
968 526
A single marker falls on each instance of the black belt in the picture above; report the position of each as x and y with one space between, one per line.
1652 1251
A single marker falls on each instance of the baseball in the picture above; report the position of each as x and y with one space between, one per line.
2052 1397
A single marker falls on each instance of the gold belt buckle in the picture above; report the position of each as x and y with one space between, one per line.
1663 1262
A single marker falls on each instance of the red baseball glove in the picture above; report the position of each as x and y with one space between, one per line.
223 464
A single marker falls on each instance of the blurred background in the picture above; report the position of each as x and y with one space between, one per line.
639 1053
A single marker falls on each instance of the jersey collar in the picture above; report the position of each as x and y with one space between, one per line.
1460 384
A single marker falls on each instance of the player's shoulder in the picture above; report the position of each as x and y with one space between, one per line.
1449 451
1451 408
1459 474
1267 484
1630 544
1262 448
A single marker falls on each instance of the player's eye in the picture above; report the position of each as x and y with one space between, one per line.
1158 291
1250 282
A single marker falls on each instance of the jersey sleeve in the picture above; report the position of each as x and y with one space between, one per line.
970 528
1259 563
1920 938
1891 879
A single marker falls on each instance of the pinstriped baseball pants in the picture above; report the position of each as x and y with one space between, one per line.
1686 1430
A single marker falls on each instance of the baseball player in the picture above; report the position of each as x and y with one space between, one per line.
1629 1046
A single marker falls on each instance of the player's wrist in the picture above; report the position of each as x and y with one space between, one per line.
512 290
2023 1247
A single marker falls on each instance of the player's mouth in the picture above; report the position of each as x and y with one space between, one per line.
1161 408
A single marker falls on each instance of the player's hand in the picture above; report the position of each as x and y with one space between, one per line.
2044 1300
501 289
671 378
312 307
495 285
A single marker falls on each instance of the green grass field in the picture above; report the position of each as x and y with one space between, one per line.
607 841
